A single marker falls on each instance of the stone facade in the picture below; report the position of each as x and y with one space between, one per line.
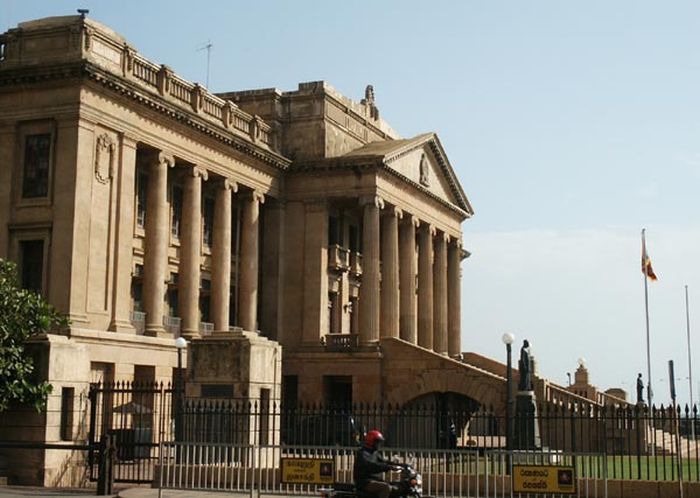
289 223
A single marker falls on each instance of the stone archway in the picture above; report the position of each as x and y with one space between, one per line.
433 420
411 371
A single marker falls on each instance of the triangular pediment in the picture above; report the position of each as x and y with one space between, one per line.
423 162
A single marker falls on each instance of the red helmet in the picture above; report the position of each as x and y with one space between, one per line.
372 438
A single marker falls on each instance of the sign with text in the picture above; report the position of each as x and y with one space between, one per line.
543 479
308 470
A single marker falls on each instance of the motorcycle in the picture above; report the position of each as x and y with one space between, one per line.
410 484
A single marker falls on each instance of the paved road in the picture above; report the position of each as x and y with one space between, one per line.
142 492
8 491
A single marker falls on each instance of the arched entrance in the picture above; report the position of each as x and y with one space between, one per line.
432 420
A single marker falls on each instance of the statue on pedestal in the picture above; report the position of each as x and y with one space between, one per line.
527 431
525 368
640 390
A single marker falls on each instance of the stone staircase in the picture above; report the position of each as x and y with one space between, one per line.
665 443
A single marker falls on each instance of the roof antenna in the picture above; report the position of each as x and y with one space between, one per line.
207 46
83 12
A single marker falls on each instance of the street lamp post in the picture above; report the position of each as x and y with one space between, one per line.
180 344
508 339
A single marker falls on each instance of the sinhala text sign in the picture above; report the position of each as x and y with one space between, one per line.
543 479
307 470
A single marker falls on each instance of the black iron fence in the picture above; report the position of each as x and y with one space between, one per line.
634 442
137 416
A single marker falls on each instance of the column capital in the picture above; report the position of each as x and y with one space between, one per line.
166 159
394 211
372 199
412 218
456 242
198 171
254 195
429 228
228 184
445 237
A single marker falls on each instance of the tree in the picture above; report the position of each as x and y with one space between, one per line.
23 313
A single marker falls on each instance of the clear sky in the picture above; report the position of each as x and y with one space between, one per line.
571 126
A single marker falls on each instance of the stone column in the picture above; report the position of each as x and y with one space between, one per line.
248 279
440 294
407 276
124 239
425 286
369 288
8 149
156 247
191 251
454 315
221 256
315 322
390 273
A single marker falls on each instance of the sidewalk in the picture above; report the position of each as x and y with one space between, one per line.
143 492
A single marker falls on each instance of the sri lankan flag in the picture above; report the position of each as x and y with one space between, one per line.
646 261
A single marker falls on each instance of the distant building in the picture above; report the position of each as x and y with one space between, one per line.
583 387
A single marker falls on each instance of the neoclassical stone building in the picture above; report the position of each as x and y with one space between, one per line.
145 207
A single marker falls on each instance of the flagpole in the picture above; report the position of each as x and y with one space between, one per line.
650 394
690 368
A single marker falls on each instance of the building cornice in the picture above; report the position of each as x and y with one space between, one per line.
82 70
366 164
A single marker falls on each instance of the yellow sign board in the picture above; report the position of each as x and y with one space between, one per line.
308 470
543 479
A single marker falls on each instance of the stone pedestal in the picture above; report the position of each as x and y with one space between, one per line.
242 367
234 365
526 435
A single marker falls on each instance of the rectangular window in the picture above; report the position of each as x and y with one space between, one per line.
235 225
208 220
143 397
37 155
290 391
173 296
32 264
137 288
337 390
141 198
264 416
176 202
205 300
354 238
232 306
333 231
66 425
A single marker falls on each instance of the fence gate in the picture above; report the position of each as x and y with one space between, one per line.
139 417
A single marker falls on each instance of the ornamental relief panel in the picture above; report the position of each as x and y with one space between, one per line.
422 168
105 156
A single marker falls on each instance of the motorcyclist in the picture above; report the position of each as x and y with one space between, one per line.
370 465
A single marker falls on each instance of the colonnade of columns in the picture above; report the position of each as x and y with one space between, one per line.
388 306
157 237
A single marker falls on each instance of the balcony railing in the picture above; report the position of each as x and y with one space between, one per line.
172 325
356 263
138 320
342 342
338 258
206 328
